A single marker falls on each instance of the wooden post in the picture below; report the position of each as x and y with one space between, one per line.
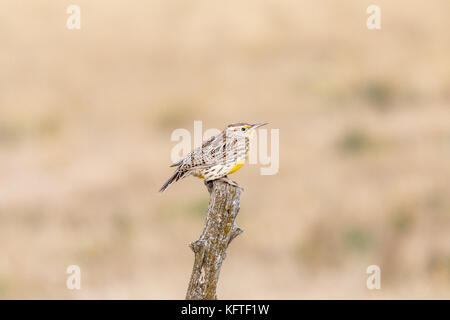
210 249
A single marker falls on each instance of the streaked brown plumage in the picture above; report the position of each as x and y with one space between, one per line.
222 154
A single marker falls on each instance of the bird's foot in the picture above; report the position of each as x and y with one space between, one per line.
230 182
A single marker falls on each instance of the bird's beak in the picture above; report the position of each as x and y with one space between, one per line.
257 125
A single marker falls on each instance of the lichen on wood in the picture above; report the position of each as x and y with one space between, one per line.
210 249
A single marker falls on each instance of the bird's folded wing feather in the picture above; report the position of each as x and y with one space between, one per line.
208 155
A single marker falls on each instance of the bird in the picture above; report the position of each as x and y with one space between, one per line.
222 154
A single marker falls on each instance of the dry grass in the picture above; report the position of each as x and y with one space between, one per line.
85 123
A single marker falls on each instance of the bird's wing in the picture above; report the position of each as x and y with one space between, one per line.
206 156
211 153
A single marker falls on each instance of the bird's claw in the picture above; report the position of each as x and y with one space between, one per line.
230 182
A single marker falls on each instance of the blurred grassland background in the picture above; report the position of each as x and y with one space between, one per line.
85 124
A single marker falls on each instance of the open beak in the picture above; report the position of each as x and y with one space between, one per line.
257 125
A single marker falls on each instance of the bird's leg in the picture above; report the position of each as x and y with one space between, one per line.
230 182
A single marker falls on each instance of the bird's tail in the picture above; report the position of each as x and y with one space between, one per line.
176 176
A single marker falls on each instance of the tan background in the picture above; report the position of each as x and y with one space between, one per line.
85 124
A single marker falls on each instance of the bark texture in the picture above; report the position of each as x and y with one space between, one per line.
210 249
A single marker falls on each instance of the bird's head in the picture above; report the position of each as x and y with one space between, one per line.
243 129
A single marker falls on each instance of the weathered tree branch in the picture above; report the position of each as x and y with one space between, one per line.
210 249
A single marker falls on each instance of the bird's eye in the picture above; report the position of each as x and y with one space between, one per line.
243 129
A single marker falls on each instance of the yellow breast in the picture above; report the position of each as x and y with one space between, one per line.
236 167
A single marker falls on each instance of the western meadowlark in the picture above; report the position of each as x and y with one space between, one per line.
221 155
